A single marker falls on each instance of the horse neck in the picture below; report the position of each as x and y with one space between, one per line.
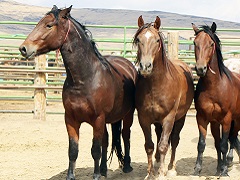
78 55
161 66
212 76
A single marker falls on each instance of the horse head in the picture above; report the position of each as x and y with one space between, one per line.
148 41
49 34
204 47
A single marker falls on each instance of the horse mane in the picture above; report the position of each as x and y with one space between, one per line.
165 59
88 35
214 37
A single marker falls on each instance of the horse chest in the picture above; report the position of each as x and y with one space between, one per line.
212 108
155 105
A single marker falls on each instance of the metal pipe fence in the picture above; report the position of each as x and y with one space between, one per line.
18 74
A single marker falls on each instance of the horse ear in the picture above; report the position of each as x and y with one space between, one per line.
195 28
213 27
140 21
66 12
157 23
54 8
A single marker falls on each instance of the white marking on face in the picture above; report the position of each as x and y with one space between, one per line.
148 35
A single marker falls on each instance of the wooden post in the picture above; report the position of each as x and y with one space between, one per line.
39 93
173 45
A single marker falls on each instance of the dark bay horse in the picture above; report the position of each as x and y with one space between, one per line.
97 89
164 93
217 99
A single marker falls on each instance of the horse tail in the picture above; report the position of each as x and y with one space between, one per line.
116 143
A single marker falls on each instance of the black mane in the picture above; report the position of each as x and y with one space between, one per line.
87 33
214 37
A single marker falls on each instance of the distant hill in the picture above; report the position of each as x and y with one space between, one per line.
13 11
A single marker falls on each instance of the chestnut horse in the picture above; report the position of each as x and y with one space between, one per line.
97 89
164 93
217 98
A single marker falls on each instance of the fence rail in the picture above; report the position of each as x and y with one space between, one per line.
19 74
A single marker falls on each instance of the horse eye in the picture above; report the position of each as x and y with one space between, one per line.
194 43
49 26
212 44
158 40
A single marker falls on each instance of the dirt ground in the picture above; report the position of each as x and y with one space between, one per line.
31 149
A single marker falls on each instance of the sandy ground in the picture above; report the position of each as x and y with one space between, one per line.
31 149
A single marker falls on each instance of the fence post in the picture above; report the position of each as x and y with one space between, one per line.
39 93
173 38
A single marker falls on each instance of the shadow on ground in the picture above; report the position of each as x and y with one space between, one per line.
185 167
138 173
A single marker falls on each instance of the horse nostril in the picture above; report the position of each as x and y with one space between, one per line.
148 65
23 50
141 66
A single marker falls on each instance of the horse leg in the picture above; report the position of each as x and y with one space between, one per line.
103 165
149 145
224 148
215 130
202 127
158 131
126 131
234 143
116 142
98 132
231 139
164 143
73 134
178 125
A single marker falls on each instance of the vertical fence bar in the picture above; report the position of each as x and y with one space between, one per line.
124 43
173 37
39 93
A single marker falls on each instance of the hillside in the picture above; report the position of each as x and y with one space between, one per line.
13 11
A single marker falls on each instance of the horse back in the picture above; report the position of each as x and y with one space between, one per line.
123 67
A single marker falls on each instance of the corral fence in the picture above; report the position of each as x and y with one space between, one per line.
40 80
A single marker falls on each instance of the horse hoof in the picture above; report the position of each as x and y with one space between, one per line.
223 174
161 177
127 169
96 176
224 171
197 171
225 178
171 173
149 177
70 177
103 171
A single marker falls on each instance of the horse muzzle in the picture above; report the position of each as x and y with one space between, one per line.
145 68
26 51
201 70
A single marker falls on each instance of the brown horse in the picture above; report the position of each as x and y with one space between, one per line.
164 93
217 98
97 89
